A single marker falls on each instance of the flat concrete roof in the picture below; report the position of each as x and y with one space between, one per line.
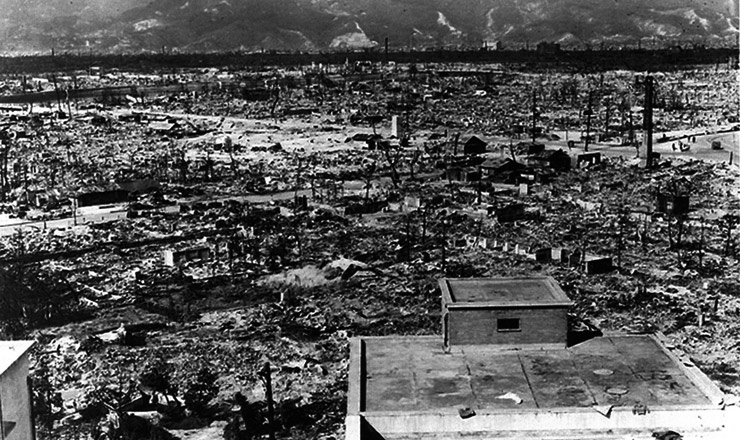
412 374
503 292
11 351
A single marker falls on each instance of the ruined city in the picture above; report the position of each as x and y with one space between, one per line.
389 242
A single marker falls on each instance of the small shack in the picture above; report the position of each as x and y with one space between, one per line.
529 148
500 168
138 185
462 174
509 213
474 145
555 159
102 198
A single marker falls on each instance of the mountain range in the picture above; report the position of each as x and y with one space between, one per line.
132 26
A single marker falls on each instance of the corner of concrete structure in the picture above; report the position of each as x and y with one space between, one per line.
15 390
701 380
558 291
353 427
733 418
355 390
20 349
446 293
356 377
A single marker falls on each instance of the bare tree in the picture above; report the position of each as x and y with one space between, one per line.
702 243
275 96
415 156
6 138
208 166
728 224
368 175
229 147
677 230
182 164
393 157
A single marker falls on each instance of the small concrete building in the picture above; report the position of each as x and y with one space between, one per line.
588 159
397 129
504 311
672 204
596 264
16 421
176 257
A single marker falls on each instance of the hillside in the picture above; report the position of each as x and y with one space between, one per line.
215 25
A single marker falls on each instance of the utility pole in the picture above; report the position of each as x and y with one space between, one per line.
648 121
297 185
266 377
77 105
607 116
25 90
534 115
589 112
445 224
408 237
480 181
56 92
69 106
406 119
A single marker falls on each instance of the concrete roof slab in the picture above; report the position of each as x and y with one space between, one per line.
11 351
414 374
525 291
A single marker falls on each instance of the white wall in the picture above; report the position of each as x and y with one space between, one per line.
16 405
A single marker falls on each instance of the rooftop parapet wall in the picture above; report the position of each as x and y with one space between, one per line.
503 292
408 386
588 421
